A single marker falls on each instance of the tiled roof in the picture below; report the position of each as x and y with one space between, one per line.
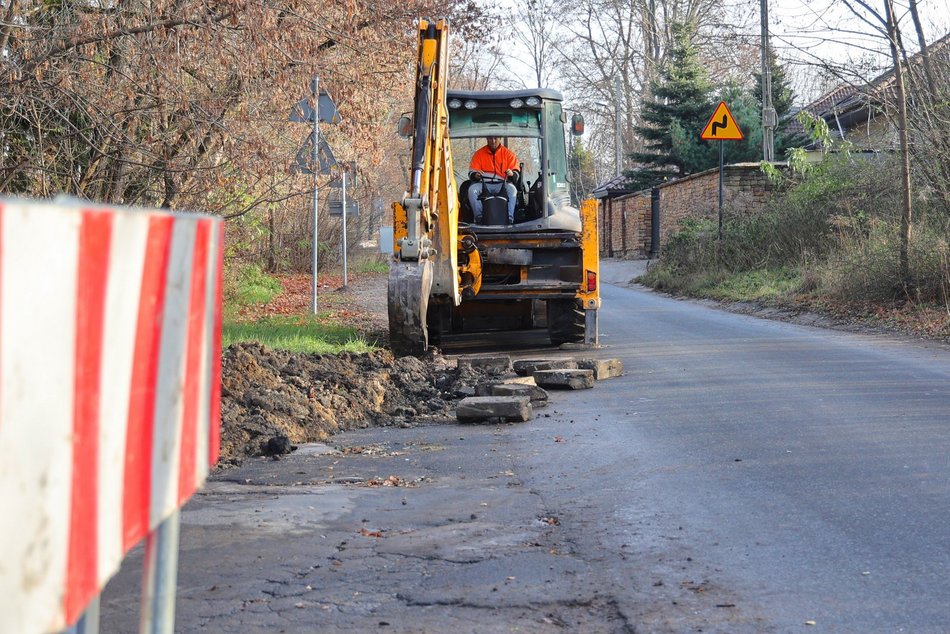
847 97
617 185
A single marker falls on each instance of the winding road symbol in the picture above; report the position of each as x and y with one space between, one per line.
722 126
719 125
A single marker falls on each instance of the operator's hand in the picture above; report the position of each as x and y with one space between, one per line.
475 176
510 173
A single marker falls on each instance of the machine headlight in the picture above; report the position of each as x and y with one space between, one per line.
516 103
471 104
533 101
455 103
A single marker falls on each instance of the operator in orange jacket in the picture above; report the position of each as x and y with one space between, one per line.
490 167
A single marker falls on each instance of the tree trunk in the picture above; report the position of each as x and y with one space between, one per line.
934 128
906 207
271 246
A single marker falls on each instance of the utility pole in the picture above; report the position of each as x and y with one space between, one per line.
768 111
618 145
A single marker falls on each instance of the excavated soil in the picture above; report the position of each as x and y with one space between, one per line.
272 399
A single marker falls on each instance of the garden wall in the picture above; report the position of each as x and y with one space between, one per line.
626 221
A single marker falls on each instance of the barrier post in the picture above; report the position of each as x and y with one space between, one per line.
160 577
88 623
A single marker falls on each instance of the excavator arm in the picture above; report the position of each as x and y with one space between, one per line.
425 228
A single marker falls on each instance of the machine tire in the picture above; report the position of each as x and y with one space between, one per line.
565 321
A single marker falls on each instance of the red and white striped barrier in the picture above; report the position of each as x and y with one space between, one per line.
110 348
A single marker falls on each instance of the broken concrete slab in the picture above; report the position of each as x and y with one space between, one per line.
565 379
603 368
517 380
527 367
488 408
539 397
485 389
490 364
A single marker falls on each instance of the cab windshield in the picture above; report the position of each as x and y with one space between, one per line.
494 122
528 151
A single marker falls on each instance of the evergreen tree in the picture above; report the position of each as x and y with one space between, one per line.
747 112
783 98
674 118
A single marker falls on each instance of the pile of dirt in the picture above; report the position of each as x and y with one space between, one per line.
272 399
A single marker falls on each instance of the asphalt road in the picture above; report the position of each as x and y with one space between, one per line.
743 476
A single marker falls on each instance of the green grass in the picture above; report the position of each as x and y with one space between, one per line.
371 266
759 285
296 334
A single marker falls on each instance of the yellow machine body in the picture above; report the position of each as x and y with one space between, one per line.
450 274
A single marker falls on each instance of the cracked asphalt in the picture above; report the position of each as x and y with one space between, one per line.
312 542
744 476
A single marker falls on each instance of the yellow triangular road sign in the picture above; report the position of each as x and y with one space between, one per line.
722 126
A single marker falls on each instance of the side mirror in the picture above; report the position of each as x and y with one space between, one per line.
577 125
405 128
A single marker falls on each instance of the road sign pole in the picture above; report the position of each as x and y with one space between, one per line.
316 177
720 190
344 224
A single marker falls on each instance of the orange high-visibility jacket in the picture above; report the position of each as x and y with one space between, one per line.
498 163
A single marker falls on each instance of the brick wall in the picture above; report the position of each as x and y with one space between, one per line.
622 223
626 221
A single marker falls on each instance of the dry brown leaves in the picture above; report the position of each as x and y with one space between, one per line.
366 533
392 481
335 304
369 450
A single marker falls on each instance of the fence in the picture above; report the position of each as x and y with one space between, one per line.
110 330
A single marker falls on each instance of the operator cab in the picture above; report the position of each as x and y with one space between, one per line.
531 124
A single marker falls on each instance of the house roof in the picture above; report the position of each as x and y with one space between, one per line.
616 186
849 99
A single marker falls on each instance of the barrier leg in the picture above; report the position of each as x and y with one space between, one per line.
160 578
88 623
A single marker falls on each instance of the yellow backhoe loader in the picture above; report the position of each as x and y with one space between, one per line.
452 273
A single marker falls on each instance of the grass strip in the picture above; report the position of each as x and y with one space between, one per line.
296 334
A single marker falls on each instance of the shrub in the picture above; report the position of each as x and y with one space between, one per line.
248 285
835 232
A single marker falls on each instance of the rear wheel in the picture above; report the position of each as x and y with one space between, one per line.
565 321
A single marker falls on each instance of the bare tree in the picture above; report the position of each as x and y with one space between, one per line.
628 39
535 26
893 37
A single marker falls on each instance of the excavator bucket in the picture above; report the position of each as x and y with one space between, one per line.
409 285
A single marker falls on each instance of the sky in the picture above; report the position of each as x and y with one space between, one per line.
806 33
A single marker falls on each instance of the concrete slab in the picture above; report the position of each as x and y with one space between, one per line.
485 389
315 449
602 368
527 367
496 364
565 379
539 398
488 408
